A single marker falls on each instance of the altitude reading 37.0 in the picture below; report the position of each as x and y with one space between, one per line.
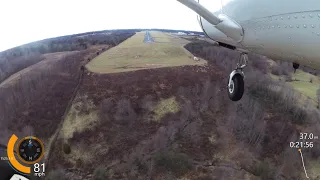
305 141
307 136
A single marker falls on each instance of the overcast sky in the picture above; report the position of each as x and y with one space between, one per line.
23 21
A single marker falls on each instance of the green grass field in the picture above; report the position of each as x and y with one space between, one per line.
303 85
134 54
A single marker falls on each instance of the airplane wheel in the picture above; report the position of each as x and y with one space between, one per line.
295 65
236 88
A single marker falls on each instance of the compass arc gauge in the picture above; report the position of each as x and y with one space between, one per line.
30 150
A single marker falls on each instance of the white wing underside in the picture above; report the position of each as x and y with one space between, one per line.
225 24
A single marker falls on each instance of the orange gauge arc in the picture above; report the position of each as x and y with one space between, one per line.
12 159
41 155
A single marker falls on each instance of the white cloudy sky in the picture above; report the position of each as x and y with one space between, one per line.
24 21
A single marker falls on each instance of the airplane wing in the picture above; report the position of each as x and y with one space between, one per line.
224 23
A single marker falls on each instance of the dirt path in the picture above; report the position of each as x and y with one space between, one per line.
56 134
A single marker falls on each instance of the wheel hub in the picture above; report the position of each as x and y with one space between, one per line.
231 87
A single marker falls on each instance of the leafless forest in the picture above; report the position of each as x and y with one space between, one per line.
209 138
34 100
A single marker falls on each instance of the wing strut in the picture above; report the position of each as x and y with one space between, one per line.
202 11
224 23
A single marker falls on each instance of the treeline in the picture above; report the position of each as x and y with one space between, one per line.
79 41
68 43
18 58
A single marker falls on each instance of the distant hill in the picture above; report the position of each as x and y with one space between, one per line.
79 41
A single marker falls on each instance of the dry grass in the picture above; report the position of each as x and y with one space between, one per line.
314 169
78 122
301 83
164 107
134 54
160 37
304 85
82 116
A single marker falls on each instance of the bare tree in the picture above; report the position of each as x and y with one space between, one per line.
125 112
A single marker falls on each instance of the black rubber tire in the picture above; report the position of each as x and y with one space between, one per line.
238 91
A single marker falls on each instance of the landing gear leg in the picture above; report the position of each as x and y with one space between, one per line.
295 66
236 79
